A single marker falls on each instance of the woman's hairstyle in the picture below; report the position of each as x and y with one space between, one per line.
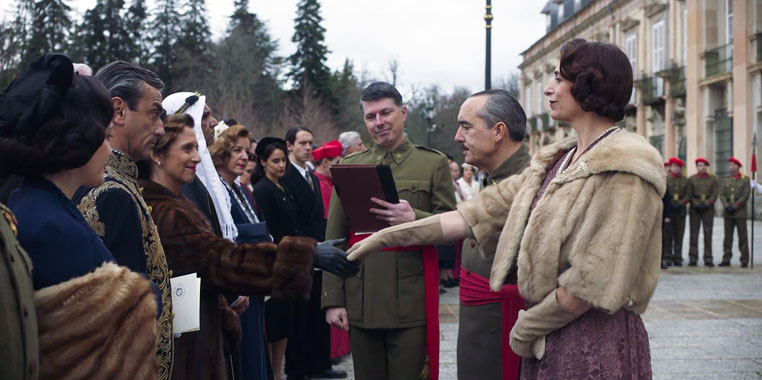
265 149
601 76
51 119
172 128
223 146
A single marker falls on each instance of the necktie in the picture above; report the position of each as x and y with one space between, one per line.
308 177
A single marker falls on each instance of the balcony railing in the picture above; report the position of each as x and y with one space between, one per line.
718 60
651 90
677 81
545 118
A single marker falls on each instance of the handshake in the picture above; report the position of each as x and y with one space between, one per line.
333 260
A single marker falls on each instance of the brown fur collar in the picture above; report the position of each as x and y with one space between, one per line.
98 326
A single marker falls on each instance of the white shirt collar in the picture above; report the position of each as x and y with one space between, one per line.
301 170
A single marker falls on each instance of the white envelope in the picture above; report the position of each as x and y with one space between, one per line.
186 298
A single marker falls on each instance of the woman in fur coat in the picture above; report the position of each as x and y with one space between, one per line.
582 223
95 320
283 270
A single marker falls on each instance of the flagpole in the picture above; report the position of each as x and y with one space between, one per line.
753 178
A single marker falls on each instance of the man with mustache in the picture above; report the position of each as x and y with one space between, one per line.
116 209
491 128
393 332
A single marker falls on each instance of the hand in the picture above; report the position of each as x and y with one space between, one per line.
334 260
730 209
527 349
667 220
337 316
240 305
393 213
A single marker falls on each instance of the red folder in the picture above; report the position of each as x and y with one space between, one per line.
355 185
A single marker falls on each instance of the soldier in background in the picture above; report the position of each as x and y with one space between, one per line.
677 186
703 189
734 194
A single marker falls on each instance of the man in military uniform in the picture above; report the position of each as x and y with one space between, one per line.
734 194
491 127
703 189
116 209
677 185
384 305
18 331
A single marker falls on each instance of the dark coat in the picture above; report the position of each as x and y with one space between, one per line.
248 269
58 240
197 193
309 203
277 207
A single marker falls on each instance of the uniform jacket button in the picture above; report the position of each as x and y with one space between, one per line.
26 311
473 244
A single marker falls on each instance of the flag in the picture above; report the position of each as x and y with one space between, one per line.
754 154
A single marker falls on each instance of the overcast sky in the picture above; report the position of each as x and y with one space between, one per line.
435 41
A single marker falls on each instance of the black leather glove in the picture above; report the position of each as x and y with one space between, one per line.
676 206
334 260
730 209
700 208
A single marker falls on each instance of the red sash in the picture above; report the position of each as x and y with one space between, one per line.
475 291
431 285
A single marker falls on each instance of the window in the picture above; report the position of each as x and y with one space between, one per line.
540 103
631 48
560 12
577 4
527 97
658 56
728 21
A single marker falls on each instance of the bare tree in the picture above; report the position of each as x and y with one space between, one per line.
394 71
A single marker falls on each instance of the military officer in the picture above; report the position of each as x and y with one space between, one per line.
383 307
18 332
734 194
703 189
491 128
677 185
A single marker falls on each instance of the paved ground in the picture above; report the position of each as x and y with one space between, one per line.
703 323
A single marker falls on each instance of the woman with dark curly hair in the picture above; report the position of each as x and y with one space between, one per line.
95 319
582 224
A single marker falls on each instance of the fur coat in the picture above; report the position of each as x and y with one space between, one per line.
283 271
596 230
98 326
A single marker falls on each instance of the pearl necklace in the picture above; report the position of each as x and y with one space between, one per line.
608 132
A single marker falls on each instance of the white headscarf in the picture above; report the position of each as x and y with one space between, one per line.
206 171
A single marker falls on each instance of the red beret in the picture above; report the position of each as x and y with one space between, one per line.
676 161
330 149
702 159
733 160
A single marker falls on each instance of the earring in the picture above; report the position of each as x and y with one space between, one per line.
158 163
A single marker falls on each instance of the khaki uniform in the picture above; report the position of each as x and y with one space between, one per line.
702 192
480 330
18 331
385 300
675 230
735 192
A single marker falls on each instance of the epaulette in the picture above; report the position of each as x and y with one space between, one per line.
430 150
10 218
355 154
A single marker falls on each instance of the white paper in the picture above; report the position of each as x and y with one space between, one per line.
186 298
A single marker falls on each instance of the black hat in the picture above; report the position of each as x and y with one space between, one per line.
51 119
262 144
35 95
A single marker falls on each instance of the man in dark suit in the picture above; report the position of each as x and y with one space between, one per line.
308 351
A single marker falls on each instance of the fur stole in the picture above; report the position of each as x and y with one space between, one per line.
98 326
596 230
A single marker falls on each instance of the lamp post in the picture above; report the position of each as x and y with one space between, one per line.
488 62
429 112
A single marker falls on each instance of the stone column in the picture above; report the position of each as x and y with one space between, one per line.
694 72
742 99
669 124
